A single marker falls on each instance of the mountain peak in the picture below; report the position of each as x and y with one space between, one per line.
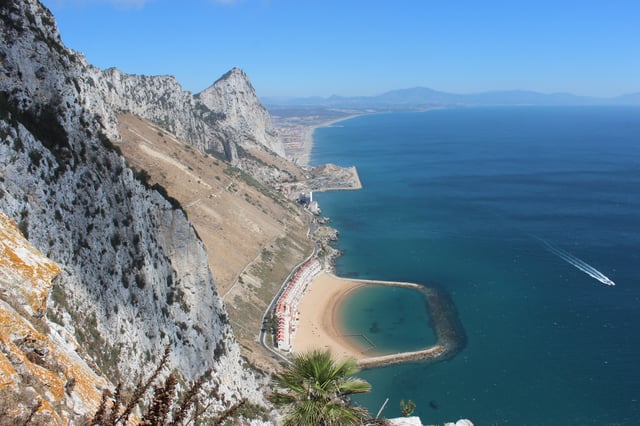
235 78
233 96
234 72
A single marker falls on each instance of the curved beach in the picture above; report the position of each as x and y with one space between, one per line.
306 139
319 323
319 311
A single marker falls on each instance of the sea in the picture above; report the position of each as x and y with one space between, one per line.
513 211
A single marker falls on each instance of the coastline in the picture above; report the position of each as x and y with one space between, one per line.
306 144
319 324
307 137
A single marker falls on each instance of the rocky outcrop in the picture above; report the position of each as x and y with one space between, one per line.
133 273
405 421
415 421
241 115
224 117
160 99
39 360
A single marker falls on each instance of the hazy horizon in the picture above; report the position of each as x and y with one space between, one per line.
296 49
479 92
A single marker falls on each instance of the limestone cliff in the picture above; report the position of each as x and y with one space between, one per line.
224 117
242 116
39 360
134 274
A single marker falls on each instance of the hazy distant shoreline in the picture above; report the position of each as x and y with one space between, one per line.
307 138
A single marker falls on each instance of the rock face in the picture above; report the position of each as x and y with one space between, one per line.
242 117
38 359
219 120
133 273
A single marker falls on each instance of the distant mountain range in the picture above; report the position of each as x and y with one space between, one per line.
422 97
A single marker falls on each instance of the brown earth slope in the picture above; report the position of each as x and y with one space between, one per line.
254 236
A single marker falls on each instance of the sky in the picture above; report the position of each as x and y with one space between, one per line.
365 47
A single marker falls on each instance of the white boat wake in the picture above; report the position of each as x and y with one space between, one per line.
580 264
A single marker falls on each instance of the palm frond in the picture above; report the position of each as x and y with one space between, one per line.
336 413
354 385
314 389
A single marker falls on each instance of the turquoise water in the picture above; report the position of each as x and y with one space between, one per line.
406 327
462 199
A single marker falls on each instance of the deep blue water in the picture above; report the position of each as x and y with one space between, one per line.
461 199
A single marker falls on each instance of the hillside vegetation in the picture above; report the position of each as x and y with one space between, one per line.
253 234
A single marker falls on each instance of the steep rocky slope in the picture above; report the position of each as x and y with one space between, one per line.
224 120
253 234
39 361
243 118
134 275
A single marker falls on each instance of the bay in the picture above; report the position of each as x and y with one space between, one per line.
464 199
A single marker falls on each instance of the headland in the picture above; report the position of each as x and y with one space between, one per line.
296 130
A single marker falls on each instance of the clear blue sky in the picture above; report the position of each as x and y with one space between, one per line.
366 47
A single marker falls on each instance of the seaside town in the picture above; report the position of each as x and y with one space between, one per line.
286 310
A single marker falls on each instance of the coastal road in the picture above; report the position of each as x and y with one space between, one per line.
263 331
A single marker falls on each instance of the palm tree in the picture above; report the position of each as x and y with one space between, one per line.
315 390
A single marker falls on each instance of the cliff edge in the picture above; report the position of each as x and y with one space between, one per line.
133 273
39 361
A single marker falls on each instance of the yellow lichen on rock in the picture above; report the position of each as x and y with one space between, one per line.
39 360
24 260
8 374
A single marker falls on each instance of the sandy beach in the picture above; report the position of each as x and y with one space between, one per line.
306 143
318 326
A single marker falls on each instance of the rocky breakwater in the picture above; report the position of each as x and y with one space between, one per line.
450 334
134 275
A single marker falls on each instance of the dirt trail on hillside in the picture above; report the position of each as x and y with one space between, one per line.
253 240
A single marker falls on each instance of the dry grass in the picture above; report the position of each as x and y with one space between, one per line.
237 220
